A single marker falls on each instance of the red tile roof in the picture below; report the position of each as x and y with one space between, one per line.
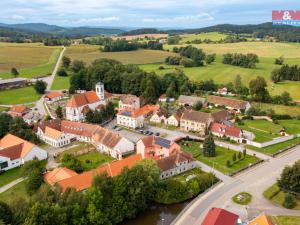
144 111
18 109
233 103
227 130
58 174
13 152
84 181
217 216
85 98
54 95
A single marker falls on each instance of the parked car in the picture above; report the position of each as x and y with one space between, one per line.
141 131
119 128
150 133
114 127
157 134
146 132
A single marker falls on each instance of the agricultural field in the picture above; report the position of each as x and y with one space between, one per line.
30 59
214 36
293 111
220 161
18 96
88 53
222 74
61 83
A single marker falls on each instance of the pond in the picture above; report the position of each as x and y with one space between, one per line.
158 215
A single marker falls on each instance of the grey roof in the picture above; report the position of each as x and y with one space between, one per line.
12 80
190 100
197 116
162 142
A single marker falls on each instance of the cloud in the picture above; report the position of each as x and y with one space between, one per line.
181 19
97 20
16 17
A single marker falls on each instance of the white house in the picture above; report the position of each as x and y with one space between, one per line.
60 133
222 130
15 151
175 164
130 119
53 96
80 104
174 119
159 117
232 104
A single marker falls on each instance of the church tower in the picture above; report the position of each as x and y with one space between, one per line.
100 91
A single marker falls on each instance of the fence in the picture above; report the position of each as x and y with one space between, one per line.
272 142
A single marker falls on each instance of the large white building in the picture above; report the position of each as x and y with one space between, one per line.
15 151
80 104
60 133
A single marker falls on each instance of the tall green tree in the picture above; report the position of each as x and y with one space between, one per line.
66 61
40 86
14 72
59 112
258 89
209 147
290 178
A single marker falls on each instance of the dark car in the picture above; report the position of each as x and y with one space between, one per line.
151 133
157 134
146 132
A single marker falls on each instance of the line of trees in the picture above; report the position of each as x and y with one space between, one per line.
191 56
286 72
237 59
124 45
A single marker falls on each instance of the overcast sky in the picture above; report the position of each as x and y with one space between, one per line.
141 13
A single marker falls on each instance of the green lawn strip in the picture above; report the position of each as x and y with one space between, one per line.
93 159
242 198
293 111
276 196
275 148
220 161
61 83
286 220
291 126
10 175
14 192
3 109
18 96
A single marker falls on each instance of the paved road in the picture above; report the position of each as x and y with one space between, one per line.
11 184
49 80
254 181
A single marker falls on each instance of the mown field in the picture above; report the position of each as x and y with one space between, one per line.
223 74
18 96
293 111
88 53
30 59
214 36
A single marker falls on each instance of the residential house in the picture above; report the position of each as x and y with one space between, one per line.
13 83
222 130
58 174
185 100
32 117
60 133
129 102
156 147
235 105
84 180
222 91
174 119
53 96
164 98
262 219
18 110
159 117
15 151
80 104
194 121
135 118
217 216
175 164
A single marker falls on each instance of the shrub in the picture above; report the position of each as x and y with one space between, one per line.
289 201
228 163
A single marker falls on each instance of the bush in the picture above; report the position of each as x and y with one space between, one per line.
40 86
72 163
62 73
289 201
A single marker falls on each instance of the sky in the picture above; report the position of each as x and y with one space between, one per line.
142 13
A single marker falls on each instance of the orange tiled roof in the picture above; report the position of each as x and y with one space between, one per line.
261 220
227 130
233 103
58 174
10 140
142 111
54 95
18 109
13 152
86 98
52 133
84 181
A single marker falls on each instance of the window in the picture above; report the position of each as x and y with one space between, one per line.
3 165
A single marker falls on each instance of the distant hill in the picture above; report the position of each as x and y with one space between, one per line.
143 31
42 29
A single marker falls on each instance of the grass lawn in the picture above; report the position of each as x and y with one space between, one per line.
18 96
88 53
280 109
242 198
61 83
219 162
3 109
276 196
263 130
30 59
93 159
214 36
291 126
286 220
9 176
14 192
275 148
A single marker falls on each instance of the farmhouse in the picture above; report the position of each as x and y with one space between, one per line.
80 104
15 151
12 83
185 100
18 110
84 180
159 117
175 164
222 130
232 104
60 133
156 147
53 96
129 102
164 98
174 119
135 118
